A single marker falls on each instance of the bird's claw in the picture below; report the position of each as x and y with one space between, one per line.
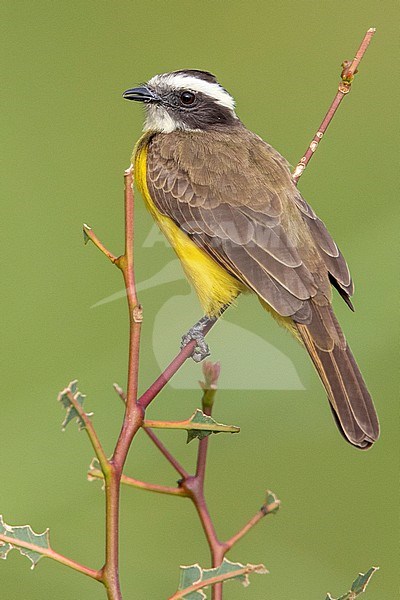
201 350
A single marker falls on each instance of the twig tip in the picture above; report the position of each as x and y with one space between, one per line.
129 170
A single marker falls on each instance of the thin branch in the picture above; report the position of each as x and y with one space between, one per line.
260 514
202 457
195 484
143 485
189 425
166 453
168 373
217 579
50 553
171 459
120 392
89 234
361 51
90 430
133 413
211 372
347 76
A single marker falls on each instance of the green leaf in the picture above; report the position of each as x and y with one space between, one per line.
358 587
194 574
199 423
190 575
272 503
67 397
86 238
23 535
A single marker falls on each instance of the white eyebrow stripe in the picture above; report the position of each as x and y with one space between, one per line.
179 81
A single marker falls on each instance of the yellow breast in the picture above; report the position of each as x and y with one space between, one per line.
214 285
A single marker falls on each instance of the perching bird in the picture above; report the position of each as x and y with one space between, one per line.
226 201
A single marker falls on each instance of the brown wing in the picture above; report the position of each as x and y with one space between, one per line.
339 273
233 195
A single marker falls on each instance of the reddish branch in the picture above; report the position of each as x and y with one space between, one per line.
347 76
134 413
193 485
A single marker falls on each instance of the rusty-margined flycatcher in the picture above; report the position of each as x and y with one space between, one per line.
226 201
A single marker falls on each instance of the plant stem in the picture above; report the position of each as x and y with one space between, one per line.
133 413
142 485
195 486
189 425
249 525
133 418
90 430
111 567
171 459
214 580
50 553
172 368
89 234
347 77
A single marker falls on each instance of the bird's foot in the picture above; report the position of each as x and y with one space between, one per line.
201 350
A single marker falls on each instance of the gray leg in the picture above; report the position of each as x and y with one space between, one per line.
201 350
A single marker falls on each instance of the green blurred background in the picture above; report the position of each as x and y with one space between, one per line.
67 136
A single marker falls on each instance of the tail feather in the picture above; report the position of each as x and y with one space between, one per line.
348 395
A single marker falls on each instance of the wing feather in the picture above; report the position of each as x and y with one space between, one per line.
244 210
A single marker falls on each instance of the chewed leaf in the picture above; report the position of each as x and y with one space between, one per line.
362 581
358 587
68 397
95 473
94 466
195 579
190 575
272 503
198 425
201 425
85 229
25 540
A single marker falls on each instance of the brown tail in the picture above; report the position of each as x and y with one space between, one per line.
349 398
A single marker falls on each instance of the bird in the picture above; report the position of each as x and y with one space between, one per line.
227 203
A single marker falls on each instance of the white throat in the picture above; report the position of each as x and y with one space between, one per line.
158 119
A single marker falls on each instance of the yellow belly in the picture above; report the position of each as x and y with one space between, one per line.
214 285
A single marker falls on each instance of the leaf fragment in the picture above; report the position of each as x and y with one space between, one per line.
195 576
198 425
272 503
23 536
201 425
68 397
358 586
85 229
95 473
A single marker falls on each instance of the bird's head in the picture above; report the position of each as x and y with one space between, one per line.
186 100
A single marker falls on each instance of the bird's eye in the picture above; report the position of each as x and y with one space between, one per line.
187 98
